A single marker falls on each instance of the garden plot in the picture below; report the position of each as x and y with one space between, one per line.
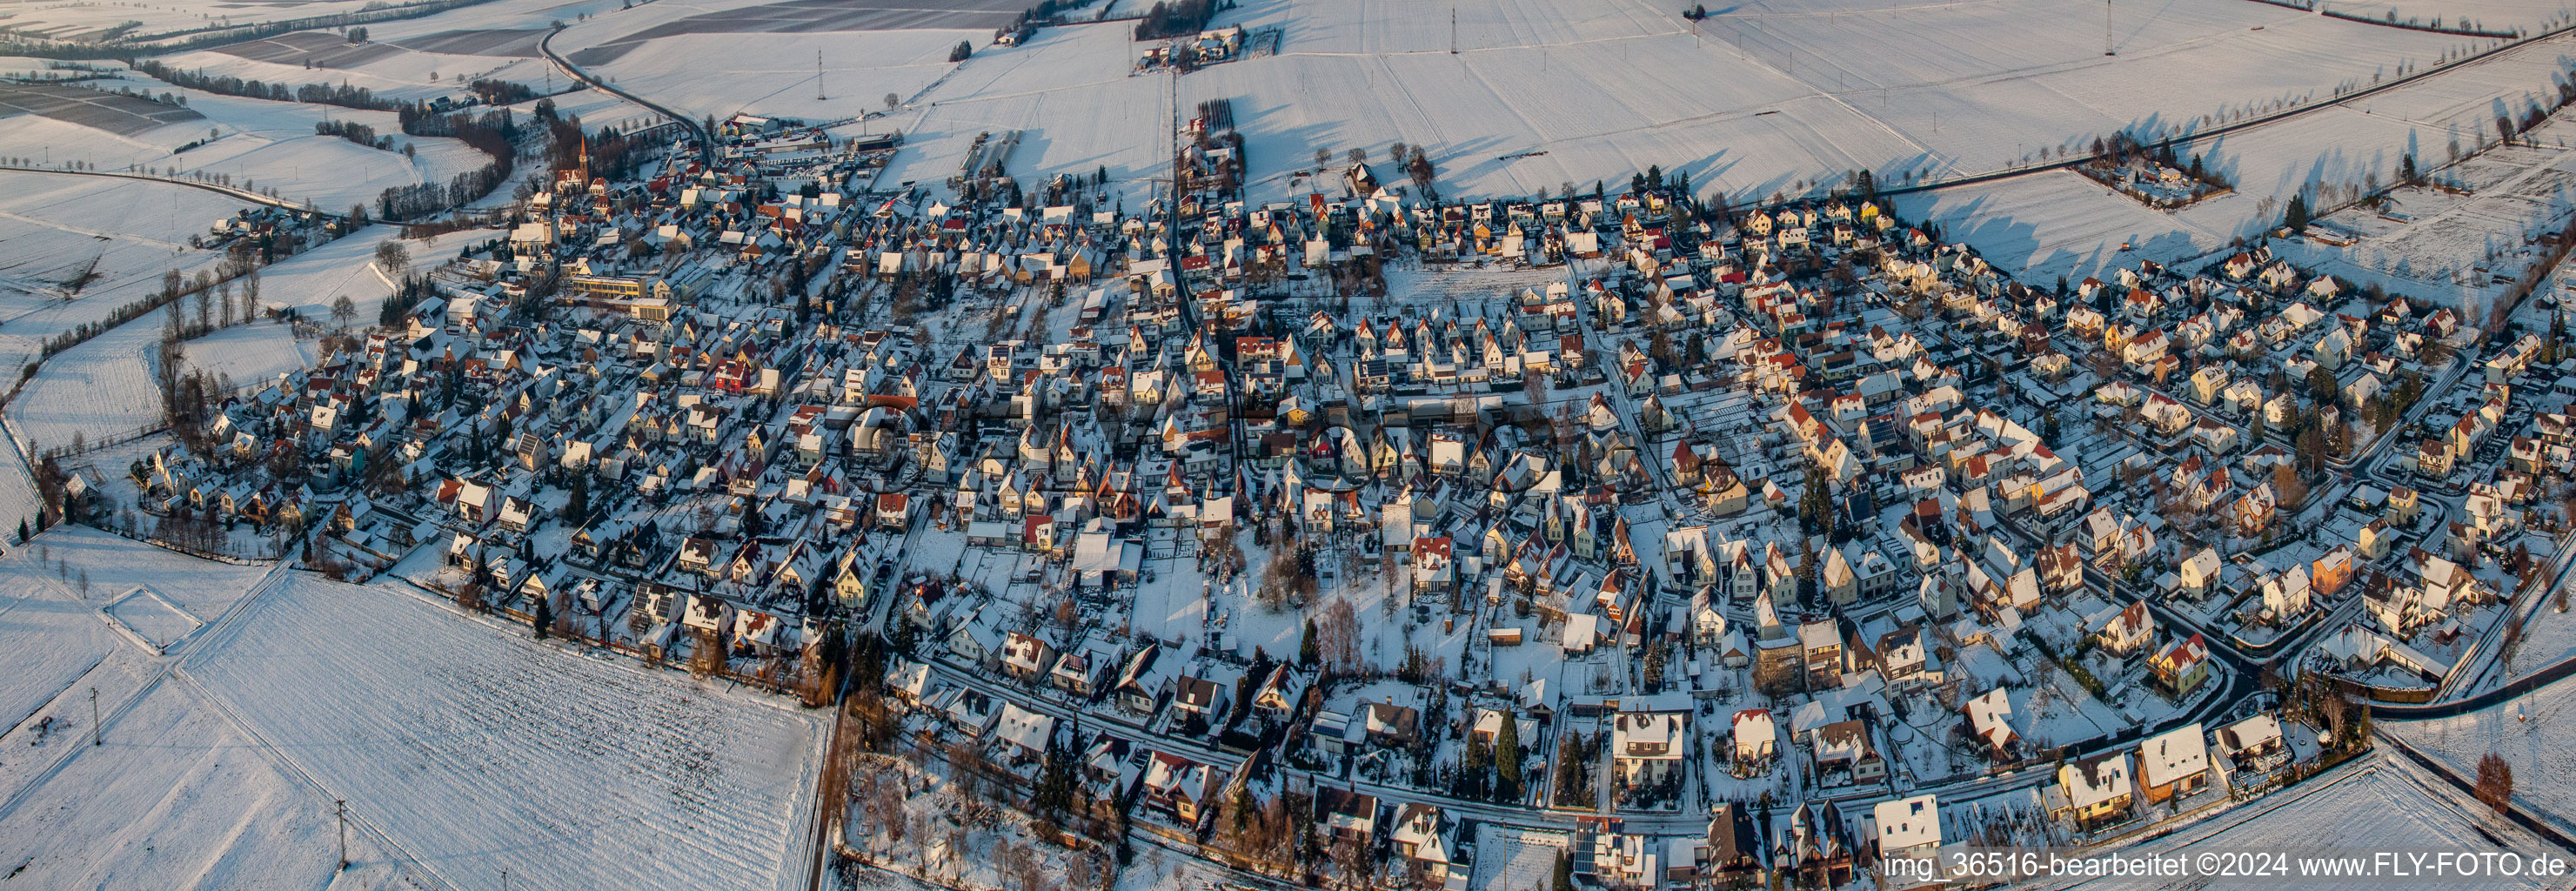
485 751
1514 859
248 355
2530 731
151 619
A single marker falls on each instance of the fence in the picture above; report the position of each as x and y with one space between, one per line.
85 445
2410 24
190 550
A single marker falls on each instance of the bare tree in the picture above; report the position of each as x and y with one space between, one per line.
394 259
2495 782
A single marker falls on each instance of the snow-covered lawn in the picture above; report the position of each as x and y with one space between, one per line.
478 750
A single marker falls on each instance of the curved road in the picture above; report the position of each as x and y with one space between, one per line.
210 187
706 142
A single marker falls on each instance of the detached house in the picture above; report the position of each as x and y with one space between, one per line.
2093 792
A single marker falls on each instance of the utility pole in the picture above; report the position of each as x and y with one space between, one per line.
818 78
2106 29
340 808
1453 30
94 738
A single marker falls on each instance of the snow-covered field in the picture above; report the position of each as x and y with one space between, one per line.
1765 96
86 20
2056 223
273 144
1764 100
310 281
1069 88
2382 804
2062 225
389 69
178 798
2526 731
257 143
98 389
2441 244
175 796
478 750
54 226
773 74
